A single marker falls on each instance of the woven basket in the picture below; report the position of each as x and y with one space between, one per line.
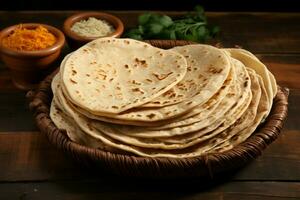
209 165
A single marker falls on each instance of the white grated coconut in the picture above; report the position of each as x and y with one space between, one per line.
92 27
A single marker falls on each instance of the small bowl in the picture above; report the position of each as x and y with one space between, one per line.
28 68
76 41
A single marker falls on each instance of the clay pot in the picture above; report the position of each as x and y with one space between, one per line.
28 68
75 41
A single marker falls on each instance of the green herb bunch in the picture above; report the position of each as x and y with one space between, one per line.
193 26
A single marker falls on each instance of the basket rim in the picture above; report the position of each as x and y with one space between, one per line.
205 165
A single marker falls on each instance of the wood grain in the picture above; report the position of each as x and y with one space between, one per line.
30 168
258 32
145 189
285 67
27 156
14 112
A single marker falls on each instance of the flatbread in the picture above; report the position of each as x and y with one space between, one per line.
203 111
101 138
202 75
271 76
214 58
259 68
111 75
238 97
68 125
183 141
238 136
210 145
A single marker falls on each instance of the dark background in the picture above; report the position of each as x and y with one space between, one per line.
209 5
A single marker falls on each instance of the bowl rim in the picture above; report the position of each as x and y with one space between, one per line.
60 41
112 19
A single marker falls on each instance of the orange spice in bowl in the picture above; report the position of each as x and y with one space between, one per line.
29 39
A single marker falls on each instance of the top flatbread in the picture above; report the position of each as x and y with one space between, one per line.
112 75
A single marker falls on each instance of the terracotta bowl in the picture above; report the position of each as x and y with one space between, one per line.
28 68
75 41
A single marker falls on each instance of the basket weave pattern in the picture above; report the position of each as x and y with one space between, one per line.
203 166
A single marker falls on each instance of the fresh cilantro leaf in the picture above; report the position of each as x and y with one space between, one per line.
201 31
141 29
193 26
155 28
135 34
143 19
172 35
166 21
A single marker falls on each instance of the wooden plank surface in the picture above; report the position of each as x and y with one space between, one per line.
27 156
285 67
125 189
30 168
15 114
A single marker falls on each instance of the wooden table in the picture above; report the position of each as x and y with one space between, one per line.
30 168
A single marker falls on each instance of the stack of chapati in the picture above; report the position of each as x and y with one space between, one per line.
128 97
